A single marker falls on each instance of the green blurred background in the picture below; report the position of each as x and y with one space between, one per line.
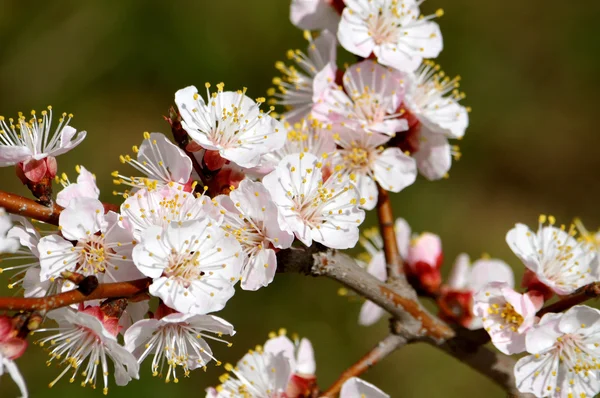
530 71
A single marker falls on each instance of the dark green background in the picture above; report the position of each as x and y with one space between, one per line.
530 71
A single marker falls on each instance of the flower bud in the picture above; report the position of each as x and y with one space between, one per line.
423 262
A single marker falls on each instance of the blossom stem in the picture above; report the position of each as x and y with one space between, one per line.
102 291
384 348
386 224
582 295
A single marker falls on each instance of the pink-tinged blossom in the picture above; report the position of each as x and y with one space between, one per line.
368 101
176 340
83 342
11 348
394 31
33 145
364 160
465 280
259 374
26 256
557 258
194 264
355 387
433 98
92 243
160 207
326 212
231 123
507 315
564 358
316 14
8 244
301 86
85 187
310 136
160 162
253 219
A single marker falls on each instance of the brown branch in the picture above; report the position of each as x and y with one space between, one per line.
386 225
19 205
102 291
380 351
582 295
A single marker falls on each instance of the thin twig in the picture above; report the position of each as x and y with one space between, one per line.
102 291
587 292
386 225
385 347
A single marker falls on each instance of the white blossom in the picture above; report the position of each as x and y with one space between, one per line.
194 264
85 187
327 212
229 122
316 14
395 31
355 387
8 244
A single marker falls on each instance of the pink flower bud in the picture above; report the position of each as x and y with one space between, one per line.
423 262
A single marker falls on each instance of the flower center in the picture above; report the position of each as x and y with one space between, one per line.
512 319
382 27
93 256
357 158
184 266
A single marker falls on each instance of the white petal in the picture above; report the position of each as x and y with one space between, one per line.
355 387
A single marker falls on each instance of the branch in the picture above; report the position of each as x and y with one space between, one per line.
386 224
384 348
581 295
102 291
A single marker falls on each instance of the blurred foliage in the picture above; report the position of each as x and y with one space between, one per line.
530 73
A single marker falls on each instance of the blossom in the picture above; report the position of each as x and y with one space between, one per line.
355 387
160 207
229 122
259 374
102 246
316 14
194 264
370 312
300 87
85 187
299 352
364 160
253 219
26 255
465 280
507 315
85 340
369 100
433 98
177 340
160 161
559 261
392 30
327 212
565 355
11 348
32 144
7 244
310 136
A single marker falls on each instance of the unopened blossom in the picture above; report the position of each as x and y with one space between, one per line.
194 264
85 187
564 358
160 162
259 374
303 84
83 343
7 244
394 31
11 348
326 212
176 340
507 315
465 280
433 98
102 247
33 145
364 160
316 14
355 387
559 260
369 100
251 216
229 122
160 207
311 136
